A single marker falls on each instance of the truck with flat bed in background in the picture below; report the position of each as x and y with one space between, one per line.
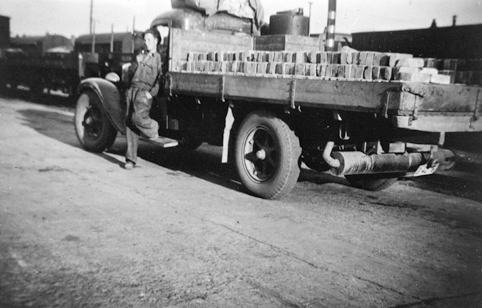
274 102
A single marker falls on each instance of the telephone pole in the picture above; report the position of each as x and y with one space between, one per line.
91 16
309 20
330 29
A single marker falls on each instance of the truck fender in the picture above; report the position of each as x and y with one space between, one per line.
110 97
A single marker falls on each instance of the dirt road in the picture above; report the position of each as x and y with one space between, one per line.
77 230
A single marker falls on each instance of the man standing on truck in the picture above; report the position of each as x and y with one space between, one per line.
144 75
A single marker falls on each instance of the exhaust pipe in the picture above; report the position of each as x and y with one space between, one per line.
359 163
347 163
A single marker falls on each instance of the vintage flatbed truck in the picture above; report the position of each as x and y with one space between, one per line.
270 113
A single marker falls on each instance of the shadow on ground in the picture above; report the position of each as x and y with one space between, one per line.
464 180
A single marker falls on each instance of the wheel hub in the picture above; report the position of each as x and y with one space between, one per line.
261 156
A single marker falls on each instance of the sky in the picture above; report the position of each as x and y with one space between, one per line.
71 17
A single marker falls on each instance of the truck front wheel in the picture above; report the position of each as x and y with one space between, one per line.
93 128
267 154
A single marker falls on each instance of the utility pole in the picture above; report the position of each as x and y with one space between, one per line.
91 30
330 29
309 20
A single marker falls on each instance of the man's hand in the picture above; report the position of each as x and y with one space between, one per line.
148 95
139 58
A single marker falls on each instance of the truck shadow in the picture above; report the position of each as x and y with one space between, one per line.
205 162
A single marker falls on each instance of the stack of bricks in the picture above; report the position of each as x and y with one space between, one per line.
459 70
345 65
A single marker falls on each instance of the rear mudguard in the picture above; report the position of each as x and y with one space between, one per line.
110 97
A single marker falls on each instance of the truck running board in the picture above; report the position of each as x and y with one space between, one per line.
163 142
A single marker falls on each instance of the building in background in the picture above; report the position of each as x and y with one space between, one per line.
455 42
4 31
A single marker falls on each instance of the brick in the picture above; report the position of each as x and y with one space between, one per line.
410 62
277 56
288 56
358 71
261 67
417 77
368 72
375 72
245 56
440 79
341 71
189 66
385 73
349 71
192 56
333 57
210 56
220 56
260 56
321 70
223 67
200 66
311 56
337 70
329 70
432 63
349 58
299 57
210 66
249 67
453 64
179 66
299 69
345 58
310 69
336 58
321 57
406 69
381 59
270 56
394 57
429 70
233 66
271 68
369 59
355 58
450 73
461 77
362 59
474 78
285 68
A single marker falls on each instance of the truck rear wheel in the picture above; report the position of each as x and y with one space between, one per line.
267 154
93 128
372 182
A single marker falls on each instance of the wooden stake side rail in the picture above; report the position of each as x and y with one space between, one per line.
442 107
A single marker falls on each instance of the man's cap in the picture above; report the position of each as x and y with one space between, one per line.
154 32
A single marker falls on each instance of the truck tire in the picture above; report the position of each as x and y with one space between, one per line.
267 152
92 126
372 182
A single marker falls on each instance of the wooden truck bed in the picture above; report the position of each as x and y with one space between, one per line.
412 105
